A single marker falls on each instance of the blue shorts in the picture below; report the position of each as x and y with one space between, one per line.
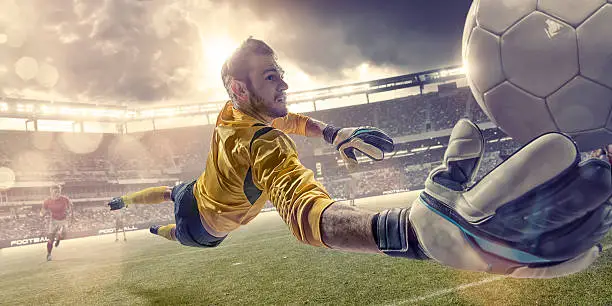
189 229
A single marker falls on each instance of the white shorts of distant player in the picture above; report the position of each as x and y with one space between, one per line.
56 225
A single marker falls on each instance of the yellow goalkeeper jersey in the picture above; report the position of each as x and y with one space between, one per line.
250 163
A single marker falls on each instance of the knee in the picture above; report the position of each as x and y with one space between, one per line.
168 194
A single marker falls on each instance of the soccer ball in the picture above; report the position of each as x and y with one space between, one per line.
536 66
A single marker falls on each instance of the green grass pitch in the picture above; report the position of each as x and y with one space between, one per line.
263 264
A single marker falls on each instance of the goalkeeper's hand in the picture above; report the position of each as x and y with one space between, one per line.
370 141
539 214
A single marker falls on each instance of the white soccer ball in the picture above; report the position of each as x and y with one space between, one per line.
536 66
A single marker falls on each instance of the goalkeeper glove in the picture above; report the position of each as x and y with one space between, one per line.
539 214
372 142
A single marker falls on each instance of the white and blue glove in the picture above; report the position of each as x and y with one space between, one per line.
539 214
369 141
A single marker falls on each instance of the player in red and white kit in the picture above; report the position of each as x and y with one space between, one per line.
59 207
604 153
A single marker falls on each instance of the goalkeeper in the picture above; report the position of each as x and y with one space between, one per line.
533 216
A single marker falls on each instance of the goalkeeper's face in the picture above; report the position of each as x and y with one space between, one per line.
267 87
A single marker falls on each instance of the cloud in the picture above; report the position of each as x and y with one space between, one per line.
149 51
327 37
118 50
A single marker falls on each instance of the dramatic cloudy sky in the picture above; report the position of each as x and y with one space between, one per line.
149 51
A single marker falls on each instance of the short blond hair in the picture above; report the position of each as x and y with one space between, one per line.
236 66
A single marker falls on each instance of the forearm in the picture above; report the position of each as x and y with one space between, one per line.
348 228
314 128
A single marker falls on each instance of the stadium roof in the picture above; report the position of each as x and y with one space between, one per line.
30 109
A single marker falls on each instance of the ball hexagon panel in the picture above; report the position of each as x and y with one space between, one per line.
595 46
480 100
580 105
519 113
498 15
571 11
483 59
609 124
532 51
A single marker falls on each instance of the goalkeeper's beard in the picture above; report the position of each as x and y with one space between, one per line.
269 109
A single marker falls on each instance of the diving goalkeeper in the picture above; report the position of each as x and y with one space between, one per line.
539 214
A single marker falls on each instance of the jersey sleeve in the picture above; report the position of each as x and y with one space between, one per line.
291 124
298 197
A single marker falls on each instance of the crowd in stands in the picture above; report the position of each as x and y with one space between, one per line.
448 109
403 116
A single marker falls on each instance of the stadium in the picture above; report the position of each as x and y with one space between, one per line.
105 104
418 110
429 103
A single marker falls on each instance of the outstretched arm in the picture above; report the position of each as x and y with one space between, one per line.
303 203
299 125
460 225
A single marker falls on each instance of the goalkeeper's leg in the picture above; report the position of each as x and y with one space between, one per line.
166 231
153 195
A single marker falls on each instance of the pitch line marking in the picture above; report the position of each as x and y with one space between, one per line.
461 287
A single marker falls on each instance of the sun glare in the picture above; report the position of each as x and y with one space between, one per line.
363 71
217 50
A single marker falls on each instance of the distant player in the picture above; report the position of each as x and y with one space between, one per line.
59 207
352 190
119 224
604 153
599 153
496 225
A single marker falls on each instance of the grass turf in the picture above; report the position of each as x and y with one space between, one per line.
263 264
